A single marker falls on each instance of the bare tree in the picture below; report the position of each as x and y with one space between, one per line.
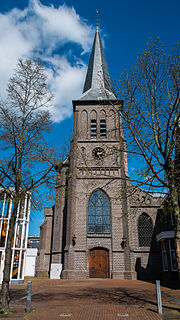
151 94
26 160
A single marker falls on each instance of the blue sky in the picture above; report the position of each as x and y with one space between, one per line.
61 34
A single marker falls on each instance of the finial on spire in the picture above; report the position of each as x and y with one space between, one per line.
97 19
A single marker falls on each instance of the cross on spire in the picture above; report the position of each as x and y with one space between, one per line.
97 18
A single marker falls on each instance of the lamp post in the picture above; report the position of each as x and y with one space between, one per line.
73 240
123 243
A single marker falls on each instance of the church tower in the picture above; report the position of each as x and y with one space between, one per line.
101 226
95 222
97 229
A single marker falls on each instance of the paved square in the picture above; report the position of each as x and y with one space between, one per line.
92 299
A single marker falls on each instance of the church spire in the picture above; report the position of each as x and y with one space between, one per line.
98 85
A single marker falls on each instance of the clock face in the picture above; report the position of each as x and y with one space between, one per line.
98 153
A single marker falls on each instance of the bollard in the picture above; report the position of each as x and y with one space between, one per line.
29 293
158 292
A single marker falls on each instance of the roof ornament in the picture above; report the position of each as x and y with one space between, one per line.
97 19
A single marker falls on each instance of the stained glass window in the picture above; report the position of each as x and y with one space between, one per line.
145 230
98 213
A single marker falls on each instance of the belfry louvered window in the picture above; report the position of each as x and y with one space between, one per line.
145 230
103 129
93 129
98 213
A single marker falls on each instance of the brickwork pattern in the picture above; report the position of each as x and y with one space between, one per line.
45 244
76 183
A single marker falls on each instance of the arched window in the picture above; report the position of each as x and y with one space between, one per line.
93 116
82 155
112 124
103 128
114 155
93 129
98 213
145 230
102 124
84 124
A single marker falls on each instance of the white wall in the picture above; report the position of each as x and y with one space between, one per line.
30 262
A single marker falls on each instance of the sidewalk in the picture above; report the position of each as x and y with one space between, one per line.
93 299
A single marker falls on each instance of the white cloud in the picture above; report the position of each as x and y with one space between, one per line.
66 85
13 46
62 24
39 30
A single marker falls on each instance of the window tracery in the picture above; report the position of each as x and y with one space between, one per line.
98 212
145 230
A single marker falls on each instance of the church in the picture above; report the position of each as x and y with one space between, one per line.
101 226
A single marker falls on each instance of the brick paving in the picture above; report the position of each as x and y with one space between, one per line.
93 313
93 299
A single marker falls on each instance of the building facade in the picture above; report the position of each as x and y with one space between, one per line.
100 226
20 237
166 236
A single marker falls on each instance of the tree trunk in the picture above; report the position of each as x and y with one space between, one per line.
177 239
7 263
175 207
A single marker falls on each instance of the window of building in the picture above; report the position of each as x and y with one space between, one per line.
84 124
173 255
114 156
4 208
1 208
172 217
98 213
93 129
103 129
3 233
164 255
145 230
82 155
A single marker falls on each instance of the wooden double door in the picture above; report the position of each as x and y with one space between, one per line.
99 263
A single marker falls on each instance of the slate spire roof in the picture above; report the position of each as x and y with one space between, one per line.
98 85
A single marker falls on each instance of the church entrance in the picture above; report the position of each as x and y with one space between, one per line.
99 263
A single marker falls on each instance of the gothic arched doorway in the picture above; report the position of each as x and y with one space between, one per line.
99 263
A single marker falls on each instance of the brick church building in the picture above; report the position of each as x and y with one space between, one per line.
100 226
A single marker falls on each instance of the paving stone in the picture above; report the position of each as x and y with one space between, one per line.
93 299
